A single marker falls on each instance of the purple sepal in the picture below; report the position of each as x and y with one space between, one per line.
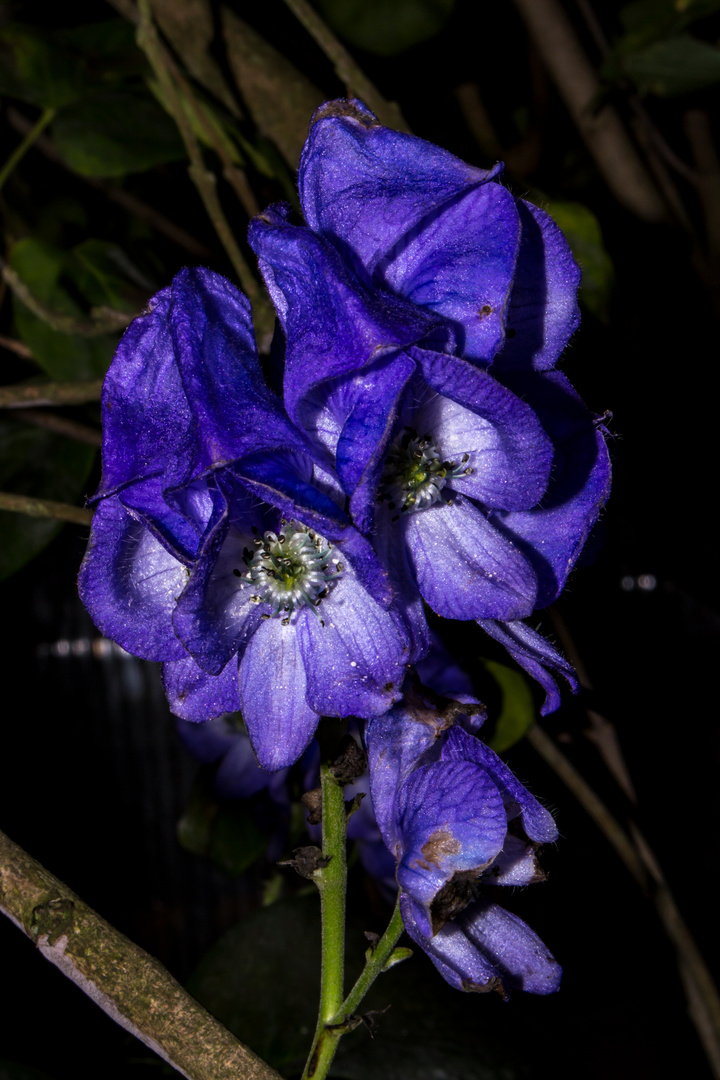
516 864
536 655
465 568
452 820
510 453
395 744
543 313
194 695
366 186
537 822
336 324
486 948
522 959
553 534
177 519
147 422
279 720
456 957
129 582
459 262
354 652
215 617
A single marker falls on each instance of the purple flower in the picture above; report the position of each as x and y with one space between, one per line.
456 820
424 308
213 549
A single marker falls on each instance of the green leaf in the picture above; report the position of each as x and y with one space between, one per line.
16 1070
34 70
261 980
36 462
517 713
396 957
583 233
106 277
645 21
221 830
677 65
63 356
116 132
386 29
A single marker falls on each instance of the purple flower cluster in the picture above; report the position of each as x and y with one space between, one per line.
277 555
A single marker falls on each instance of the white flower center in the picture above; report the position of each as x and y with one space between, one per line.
415 473
291 569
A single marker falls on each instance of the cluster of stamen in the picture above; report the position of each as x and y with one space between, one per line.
290 570
415 474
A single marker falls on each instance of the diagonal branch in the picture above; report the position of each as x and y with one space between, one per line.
357 82
132 987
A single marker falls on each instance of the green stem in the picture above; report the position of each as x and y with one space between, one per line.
338 1016
19 152
332 895
375 964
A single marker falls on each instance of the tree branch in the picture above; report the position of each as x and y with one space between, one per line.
44 508
358 84
601 129
132 987
22 395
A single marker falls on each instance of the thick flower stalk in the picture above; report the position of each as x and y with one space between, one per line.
212 548
424 309
459 824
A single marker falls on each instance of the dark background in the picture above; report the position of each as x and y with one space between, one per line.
93 779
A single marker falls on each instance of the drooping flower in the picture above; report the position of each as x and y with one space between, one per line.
457 820
424 308
213 551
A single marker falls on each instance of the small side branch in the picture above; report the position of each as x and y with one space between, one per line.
601 129
45 508
346 69
103 320
128 984
50 393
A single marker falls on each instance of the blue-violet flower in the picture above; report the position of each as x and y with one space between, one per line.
424 308
213 550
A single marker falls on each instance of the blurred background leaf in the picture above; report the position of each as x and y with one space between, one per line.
36 462
386 29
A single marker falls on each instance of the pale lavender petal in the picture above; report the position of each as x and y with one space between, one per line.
355 653
129 583
510 452
273 702
465 569
452 819
514 949
536 655
457 959
537 822
194 695
543 312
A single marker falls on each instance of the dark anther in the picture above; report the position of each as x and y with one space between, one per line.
368 1019
312 801
236 572
455 895
350 761
307 861
354 804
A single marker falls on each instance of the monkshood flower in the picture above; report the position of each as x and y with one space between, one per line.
424 308
456 819
213 551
